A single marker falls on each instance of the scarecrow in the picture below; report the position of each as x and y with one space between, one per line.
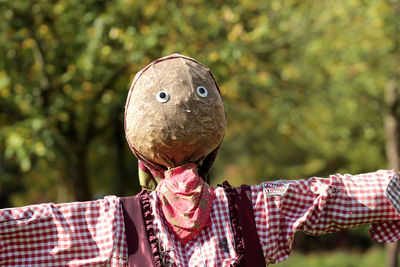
174 123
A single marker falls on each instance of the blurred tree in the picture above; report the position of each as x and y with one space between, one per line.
60 80
301 96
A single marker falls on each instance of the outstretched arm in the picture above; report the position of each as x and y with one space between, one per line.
69 234
324 205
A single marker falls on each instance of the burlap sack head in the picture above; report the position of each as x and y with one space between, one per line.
174 113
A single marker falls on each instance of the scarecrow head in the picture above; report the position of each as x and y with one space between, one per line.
174 115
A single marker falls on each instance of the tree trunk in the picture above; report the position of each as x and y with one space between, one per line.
76 179
4 192
81 187
392 152
392 252
122 171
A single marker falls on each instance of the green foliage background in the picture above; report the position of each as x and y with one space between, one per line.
303 83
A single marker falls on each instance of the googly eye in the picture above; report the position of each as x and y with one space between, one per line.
202 91
162 97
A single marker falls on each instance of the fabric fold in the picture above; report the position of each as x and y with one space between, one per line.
235 223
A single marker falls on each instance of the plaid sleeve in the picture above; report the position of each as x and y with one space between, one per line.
71 234
324 205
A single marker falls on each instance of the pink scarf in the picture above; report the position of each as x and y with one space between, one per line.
186 201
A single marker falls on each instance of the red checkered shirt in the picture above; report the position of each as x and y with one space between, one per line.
72 234
92 233
314 206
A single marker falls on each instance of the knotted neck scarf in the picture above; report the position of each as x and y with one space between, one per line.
186 201
186 198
